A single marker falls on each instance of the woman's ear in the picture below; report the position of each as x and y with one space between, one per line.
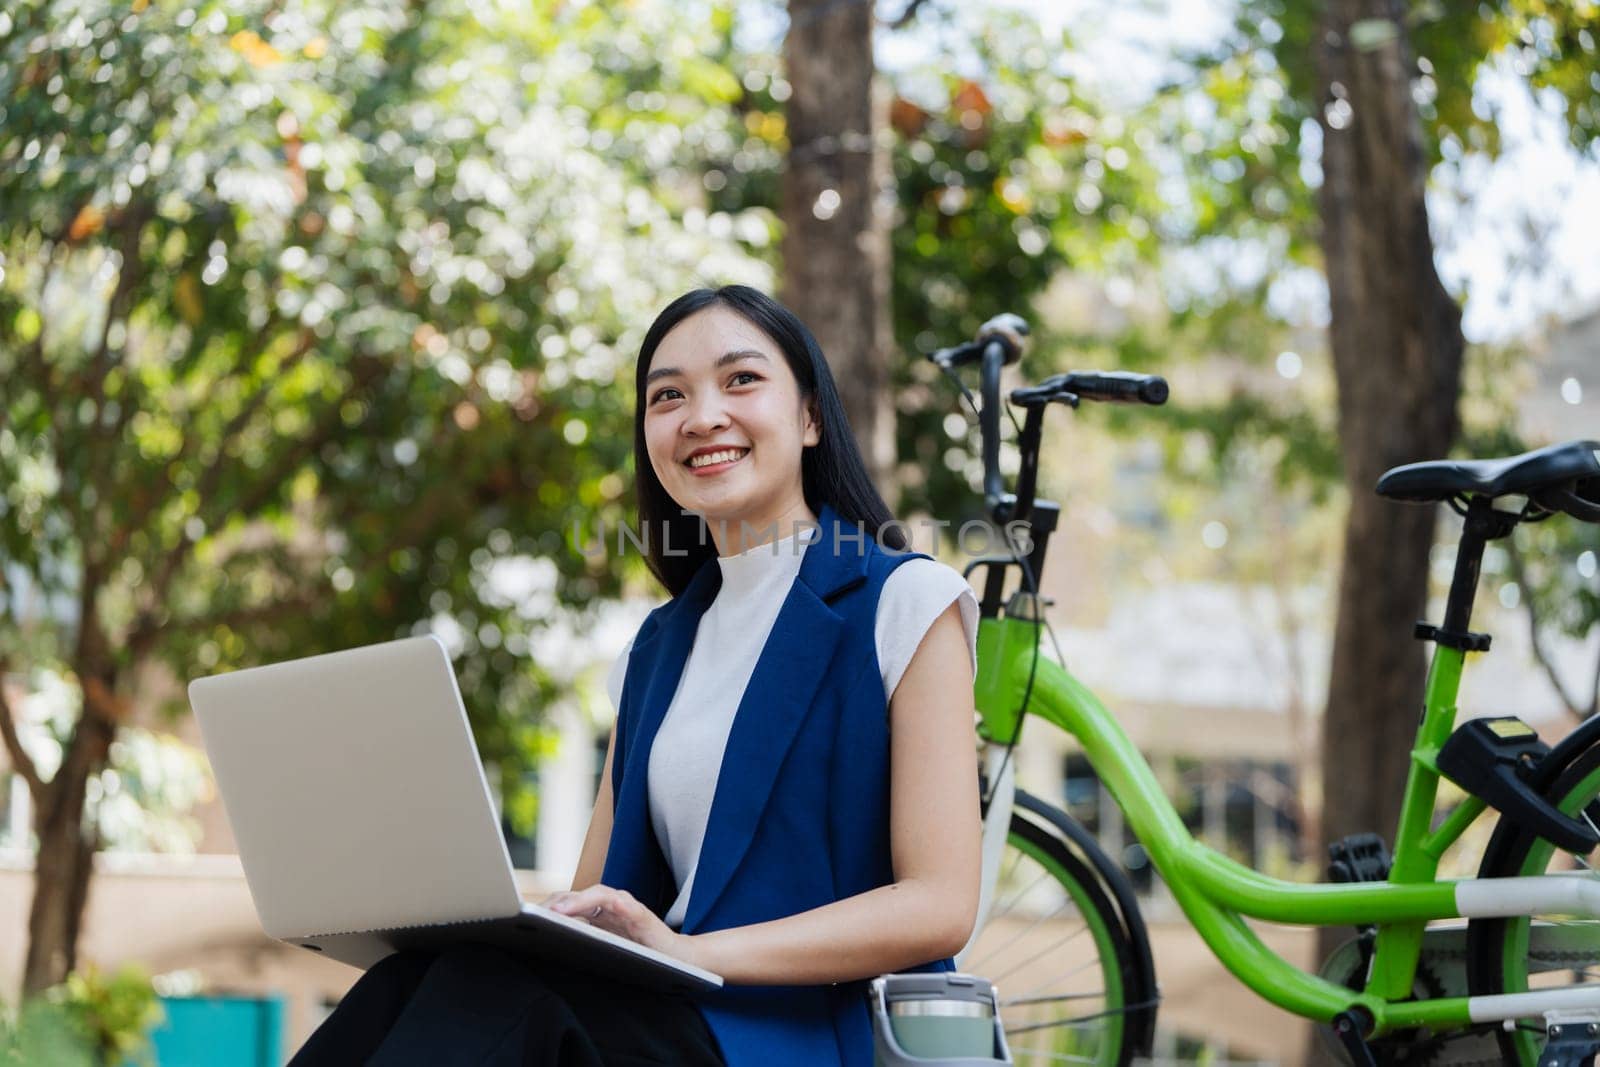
813 430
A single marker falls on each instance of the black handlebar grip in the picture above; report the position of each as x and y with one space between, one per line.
994 357
1117 387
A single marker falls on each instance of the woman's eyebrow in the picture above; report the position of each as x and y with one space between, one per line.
723 360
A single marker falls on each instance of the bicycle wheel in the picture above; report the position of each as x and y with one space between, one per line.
1514 955
1056 950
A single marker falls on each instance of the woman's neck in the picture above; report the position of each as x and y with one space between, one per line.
735 534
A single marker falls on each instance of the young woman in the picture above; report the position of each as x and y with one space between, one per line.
790 795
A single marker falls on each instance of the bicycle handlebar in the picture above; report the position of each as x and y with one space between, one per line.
994 358
998 343
1112 386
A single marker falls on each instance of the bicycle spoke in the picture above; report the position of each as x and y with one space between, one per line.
1075 1020
1582 862
1054 1024
1010 1001
1052 941
1011 871
1058 978
992 953
1022 893
1047 949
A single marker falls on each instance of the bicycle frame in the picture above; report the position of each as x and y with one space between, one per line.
1216 893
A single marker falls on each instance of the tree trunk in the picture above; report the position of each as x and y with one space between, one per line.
1396 339
67 843
835 205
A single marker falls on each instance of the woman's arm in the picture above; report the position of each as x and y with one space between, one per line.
935 833
592 859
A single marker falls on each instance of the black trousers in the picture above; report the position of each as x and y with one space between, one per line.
475 1005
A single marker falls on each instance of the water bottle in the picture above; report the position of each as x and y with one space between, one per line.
942 1017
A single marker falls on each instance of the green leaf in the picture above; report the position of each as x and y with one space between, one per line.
710 81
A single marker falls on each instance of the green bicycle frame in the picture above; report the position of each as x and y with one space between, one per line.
1215 892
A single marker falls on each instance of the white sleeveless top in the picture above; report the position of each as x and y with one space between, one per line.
687 753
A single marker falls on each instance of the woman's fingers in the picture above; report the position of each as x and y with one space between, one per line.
587 903
563 902
610 909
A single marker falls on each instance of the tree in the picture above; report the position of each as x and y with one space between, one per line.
1346 187
305 309
1395 335
835 210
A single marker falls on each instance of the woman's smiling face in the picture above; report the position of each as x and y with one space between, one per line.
719 389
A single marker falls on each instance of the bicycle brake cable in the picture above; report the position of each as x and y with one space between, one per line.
1033 666
966 394
1032 586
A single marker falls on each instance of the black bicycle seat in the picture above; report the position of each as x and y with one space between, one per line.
1545 474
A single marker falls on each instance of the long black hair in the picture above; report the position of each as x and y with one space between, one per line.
831 471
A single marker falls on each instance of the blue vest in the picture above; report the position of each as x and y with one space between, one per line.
800 816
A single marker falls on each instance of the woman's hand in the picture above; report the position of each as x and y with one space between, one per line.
617 911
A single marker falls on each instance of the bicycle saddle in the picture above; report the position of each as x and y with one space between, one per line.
1557 478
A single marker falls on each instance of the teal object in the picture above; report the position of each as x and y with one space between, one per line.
220 1031
931 1036
945 1019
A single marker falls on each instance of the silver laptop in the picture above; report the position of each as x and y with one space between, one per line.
364 822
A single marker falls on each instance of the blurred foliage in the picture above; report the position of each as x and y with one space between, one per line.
90 1020
1006 176
1257 173
1003 176
1244 118
142 801
1120 231
44 1032
117 1011
306 307
1553 44
1186 231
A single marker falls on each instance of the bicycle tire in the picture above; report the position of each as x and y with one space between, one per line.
1142 1020
1081 995
1498 952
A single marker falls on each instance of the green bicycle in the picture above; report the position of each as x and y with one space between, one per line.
1059 928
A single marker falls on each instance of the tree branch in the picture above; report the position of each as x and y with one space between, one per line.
191 439
267 483
33 367
209 481
212 476
128 279
101 447
1519 575
366 371
21 762
905 17
90 647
